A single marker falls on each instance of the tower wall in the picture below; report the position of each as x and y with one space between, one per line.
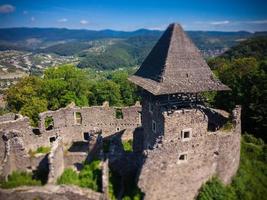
148 116
164 176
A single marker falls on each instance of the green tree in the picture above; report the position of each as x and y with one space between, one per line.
127 90
106 91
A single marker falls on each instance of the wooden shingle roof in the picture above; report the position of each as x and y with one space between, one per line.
175 65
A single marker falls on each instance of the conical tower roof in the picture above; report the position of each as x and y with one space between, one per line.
175 65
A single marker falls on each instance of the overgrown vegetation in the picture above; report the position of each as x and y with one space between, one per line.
89 176
42 150
17 179
245 72
65 84
227 126
250 183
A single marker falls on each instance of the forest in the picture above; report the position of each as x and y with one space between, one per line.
243 68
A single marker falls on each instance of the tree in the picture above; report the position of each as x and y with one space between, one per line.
106 91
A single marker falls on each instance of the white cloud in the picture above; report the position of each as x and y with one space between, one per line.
7 8
220 22
32 19
83 22
62 20
257 21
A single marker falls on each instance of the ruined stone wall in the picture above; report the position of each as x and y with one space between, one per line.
93 118
164 176
229 149
56 161
7 117
15 156
56 192
22 125
74 159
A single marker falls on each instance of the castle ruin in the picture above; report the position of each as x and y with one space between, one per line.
178 142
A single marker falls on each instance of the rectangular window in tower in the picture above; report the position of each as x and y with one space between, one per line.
154 126
186 134
182 158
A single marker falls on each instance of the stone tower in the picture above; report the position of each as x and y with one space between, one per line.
184 142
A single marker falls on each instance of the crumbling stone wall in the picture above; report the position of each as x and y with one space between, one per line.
165 176
22 125
92 118
48 192
7 117
15 156
56 161
96 119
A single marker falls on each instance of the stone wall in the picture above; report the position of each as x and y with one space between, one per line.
56 161
15 157
48 192
7 117
102 118
96 119
208 153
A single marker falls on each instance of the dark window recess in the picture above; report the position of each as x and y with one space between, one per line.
52 139
183 157
154 126
78 118
119 114
212 127
86 136
49 123
187 134
36 131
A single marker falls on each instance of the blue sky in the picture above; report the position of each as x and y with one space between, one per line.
227 15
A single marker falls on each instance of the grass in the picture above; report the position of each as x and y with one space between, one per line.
42 150
89 176
227 126
128 145
250 182
17 179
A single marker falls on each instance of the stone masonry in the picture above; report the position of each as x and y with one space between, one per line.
18 138
207 152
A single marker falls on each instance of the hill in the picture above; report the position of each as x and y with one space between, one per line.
101 50
254 47
36 38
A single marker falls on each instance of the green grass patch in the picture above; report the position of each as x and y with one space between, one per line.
43 150
250 182
17 179
89 176
128 145
227 126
